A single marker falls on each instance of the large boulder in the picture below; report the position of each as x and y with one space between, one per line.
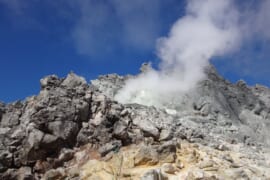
73 80
42 125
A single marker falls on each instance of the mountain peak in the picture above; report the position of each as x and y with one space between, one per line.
72 124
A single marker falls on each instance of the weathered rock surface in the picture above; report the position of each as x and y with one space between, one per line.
73 129
197 162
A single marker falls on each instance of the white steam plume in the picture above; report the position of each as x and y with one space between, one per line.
209 28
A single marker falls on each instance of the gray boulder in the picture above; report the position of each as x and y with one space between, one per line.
73 80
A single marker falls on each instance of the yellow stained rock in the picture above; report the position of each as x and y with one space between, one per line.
192 162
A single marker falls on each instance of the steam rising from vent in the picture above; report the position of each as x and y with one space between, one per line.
209 28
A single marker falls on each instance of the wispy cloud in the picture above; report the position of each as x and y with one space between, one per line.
140 22
15 6
96 27
252 61
103 26
37 14
260 22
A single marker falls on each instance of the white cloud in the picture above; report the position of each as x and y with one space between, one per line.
262 19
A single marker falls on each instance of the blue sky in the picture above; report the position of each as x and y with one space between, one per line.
93 37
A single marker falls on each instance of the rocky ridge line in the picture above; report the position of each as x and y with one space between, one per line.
48 131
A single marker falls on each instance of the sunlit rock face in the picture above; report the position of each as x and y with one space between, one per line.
201 133
214 105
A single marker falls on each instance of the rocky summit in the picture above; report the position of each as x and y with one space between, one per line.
76 130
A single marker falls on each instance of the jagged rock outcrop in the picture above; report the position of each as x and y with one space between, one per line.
72 124
67 113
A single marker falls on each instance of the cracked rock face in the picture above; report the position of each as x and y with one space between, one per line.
73 121
234 112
